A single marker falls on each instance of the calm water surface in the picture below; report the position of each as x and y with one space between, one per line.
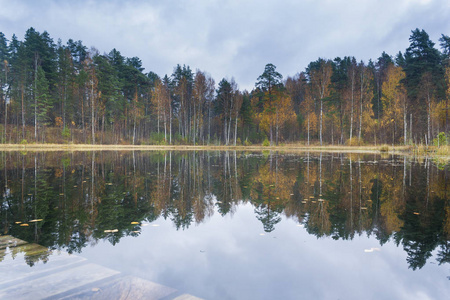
227 225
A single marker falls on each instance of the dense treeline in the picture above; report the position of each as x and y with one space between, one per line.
55 92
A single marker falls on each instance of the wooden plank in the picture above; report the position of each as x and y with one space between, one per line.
124 288
10 241
17 270
57 283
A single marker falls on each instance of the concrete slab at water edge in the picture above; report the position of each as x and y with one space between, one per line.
31 271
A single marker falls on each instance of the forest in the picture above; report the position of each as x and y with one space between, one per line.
66 93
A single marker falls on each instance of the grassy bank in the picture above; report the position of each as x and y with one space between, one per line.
443 151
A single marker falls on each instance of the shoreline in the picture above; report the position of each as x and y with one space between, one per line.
404 150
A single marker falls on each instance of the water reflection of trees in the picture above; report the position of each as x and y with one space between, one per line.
82 197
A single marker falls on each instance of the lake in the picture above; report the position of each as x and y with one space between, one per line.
224 225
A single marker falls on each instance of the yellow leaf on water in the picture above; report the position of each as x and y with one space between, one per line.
107 230
24 225
416 213
134 223
18 222
115 230
36 220
304 202
136 231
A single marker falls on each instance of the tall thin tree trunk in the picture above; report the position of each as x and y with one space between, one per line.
351 114
6 102
92 113
361 106
321 119
235 130
429 119
404 124
410 128
23 114
35 97
308 129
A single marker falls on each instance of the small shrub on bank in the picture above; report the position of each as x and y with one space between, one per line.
266 143
354 142
440 140
384 148
66 133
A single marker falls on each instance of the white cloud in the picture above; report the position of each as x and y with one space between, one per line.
232 38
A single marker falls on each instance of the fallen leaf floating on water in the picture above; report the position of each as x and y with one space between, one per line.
311 197
36 220
320 200
416 213
109 183
136 231
292 194
371 250
155 225
304 202
134 223
24 225
61 194
18 222
363 207
111 230
95 289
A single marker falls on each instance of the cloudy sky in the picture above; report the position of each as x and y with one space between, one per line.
234 38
